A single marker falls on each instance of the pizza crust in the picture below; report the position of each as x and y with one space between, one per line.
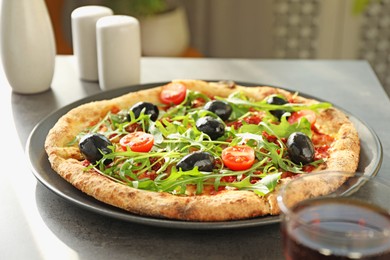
226 205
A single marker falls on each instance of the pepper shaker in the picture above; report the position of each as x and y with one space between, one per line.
119 51
84 38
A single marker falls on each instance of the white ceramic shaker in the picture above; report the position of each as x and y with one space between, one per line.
119 51
83 21
28 47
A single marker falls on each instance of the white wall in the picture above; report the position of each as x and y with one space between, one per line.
258 28
293 29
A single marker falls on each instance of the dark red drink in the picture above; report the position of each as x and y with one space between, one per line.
336 229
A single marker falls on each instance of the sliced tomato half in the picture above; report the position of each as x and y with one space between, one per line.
137 142
239 157
310 115
173 93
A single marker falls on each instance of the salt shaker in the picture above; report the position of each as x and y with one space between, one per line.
84 38
119 51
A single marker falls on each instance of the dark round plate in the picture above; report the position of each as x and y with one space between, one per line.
369 164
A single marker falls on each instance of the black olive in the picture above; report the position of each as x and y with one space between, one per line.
203 160
275 100
150 109
211 126
93 146
220 108
300 148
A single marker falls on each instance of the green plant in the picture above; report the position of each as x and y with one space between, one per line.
359 6
137 7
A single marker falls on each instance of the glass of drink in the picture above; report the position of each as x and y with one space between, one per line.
335 215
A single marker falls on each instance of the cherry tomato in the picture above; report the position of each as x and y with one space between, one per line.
296 116
137 142
173 93
239 157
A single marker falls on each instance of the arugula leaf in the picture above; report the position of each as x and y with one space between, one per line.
285 129
177 181
241 105
262 187
155 129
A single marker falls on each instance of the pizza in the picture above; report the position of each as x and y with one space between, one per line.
196 150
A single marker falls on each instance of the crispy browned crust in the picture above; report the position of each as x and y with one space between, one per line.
226 205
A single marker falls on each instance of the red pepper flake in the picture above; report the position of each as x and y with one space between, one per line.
229 179
156 164
86 163
253 120
270 138
92 123
115 110
320 138
287 175
236 124
148 175
199 102
133 128
112 136
291 100
308 168
321 152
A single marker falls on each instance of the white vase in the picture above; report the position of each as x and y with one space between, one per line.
27 45
165 34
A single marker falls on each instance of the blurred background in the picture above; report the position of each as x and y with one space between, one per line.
270 29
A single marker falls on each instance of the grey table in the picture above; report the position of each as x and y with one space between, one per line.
37 224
